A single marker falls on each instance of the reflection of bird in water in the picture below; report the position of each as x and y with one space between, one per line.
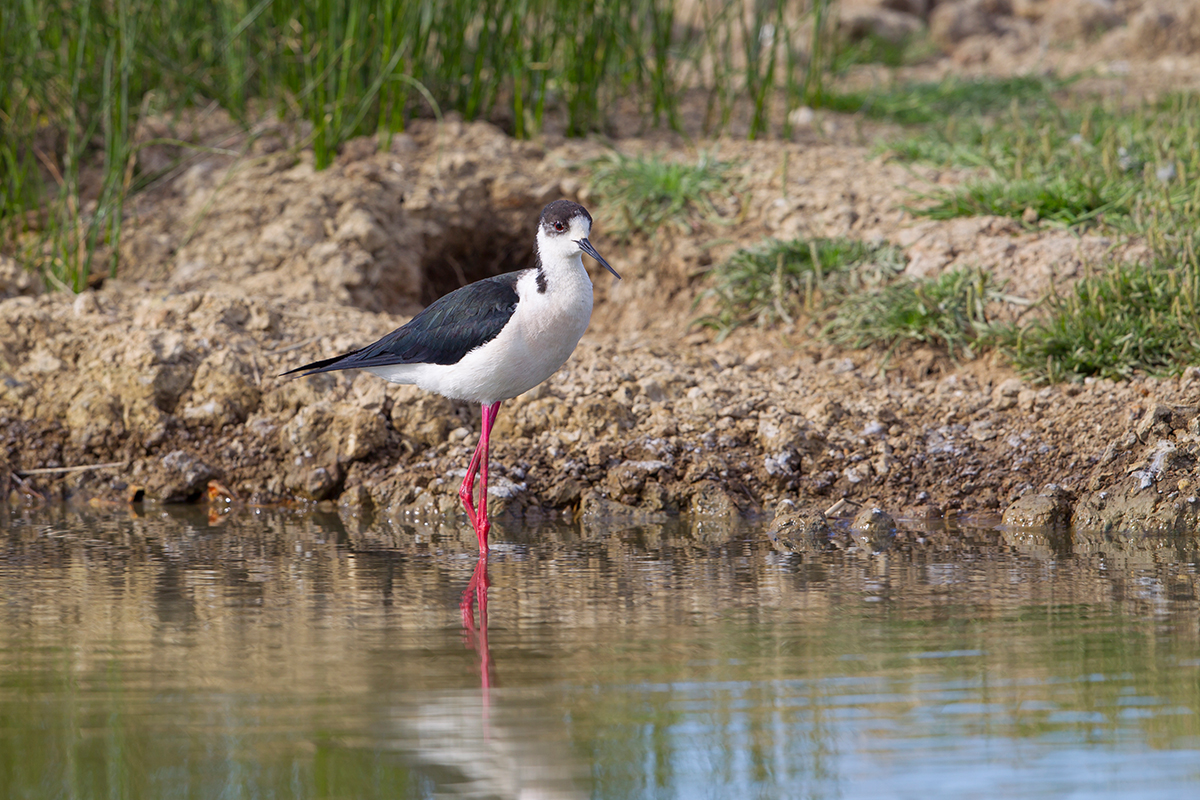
516 749
511 745
494 339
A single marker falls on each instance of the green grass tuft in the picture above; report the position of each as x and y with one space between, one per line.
1066 199
641 194
1130 318
929 102
1076 163
780 281
948 310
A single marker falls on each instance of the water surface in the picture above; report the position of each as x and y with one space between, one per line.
269 654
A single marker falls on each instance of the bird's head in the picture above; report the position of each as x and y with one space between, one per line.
563 231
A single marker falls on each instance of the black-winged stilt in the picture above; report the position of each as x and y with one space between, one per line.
493 339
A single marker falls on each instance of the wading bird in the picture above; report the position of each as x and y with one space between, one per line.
493 339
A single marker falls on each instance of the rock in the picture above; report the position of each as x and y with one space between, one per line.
598 416
155 366
594 507
223 391
856 23
873 529
564 493
424 418
1162 26
711 500
630 477
1165 458
1132 507
1004 396
354 500
320 482
799 531
393 493
918 8
802 118
312 451
180 476
1049 508
982 430
527 418
95 419
958 20
304 435
322 438
779 431
16 281
1161 419
356 224
1081 19
356 432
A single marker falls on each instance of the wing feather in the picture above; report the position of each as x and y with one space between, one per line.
448 329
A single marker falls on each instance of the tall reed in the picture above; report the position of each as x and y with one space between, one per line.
76 76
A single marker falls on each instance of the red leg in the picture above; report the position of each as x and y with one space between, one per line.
482 524
479 462
466 492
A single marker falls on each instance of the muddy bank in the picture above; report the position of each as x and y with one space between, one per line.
182 389
240 269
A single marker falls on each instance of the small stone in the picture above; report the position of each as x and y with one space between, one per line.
1049 508
358 225
873 529
981 430
802 117
181 477
799 531
952 22
85 304
356 432
711 500
1156 420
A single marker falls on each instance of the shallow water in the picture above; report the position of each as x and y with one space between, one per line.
272 655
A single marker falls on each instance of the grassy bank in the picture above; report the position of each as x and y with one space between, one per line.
78 76
1044 156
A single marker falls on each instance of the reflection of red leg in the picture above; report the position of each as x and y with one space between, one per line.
476 590
477 637
481 646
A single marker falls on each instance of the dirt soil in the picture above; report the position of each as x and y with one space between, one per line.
236 269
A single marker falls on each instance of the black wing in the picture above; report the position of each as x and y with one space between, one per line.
448 329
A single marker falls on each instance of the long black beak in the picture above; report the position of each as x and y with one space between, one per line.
586 247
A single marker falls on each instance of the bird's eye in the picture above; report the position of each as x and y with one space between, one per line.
560 227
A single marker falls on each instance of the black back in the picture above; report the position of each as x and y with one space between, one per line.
448 329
